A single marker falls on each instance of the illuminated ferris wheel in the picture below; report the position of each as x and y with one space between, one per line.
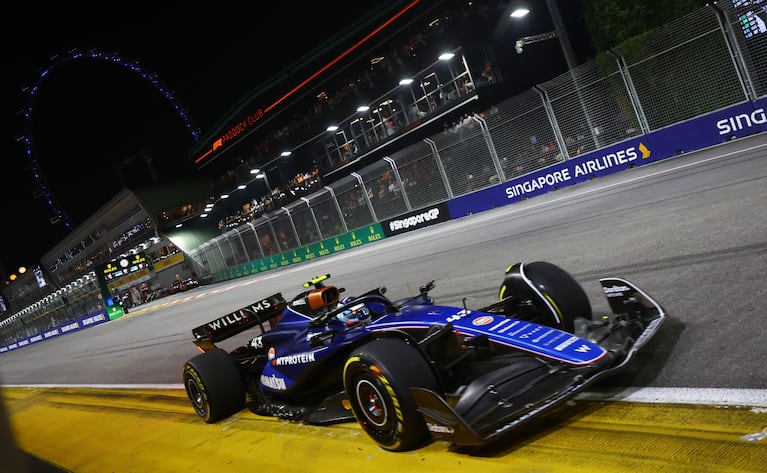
59 214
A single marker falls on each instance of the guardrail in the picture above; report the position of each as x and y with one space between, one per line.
723 125
645 99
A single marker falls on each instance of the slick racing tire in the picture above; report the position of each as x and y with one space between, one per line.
214 385
377 378
555 293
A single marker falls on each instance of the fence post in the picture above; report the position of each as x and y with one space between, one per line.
338 208
292 225
242 244
554 125
314 216
636 104
399 181
736 55
441 168
367 197
258 240
490 146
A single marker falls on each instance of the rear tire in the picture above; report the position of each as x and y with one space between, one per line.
214 385
377 378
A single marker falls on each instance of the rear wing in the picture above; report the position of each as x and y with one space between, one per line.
256 314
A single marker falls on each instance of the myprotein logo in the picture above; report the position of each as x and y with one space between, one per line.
741 121
419 219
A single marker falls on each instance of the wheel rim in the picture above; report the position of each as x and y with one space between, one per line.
195 395
372 403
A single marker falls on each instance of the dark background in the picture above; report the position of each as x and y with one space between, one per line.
90 118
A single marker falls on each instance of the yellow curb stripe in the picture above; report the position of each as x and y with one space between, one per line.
122 430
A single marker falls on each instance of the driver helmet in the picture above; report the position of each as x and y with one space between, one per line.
354 315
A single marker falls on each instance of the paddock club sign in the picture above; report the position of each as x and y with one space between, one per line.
415 220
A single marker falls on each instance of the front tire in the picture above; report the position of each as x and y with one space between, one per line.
377 378
557 296
214 385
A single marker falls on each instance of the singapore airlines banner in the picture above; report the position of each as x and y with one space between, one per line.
698 133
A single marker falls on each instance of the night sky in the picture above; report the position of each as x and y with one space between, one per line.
89 115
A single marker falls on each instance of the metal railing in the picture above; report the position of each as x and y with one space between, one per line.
694 65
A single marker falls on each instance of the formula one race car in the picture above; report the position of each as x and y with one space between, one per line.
410 371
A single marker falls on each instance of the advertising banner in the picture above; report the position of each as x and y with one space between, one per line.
349 240
702 132
415 220
79 323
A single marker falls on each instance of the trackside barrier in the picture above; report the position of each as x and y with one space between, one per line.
699 133
353 239
83 322
724 125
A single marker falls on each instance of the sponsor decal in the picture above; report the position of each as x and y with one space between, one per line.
419 219
126 236
297 359
520 329
512 325
93 319
69 327
51 333
615 291
566 343
608 290
241 315
741 121
623 156
498 325
440 429
393 396
414 220
586 168
532 332
550 179
274 382
270 354
544 335
556 338
483 320
457 316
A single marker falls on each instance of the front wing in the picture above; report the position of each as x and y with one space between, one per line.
508 406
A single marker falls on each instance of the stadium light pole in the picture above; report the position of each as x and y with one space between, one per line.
560 32
567 49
